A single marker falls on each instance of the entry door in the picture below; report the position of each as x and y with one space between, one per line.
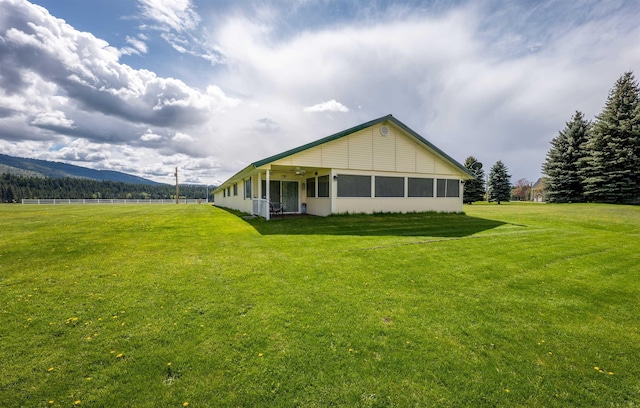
290 196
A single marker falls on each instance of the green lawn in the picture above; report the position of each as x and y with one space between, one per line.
158 306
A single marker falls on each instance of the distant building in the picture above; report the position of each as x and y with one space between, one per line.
378 166
537 191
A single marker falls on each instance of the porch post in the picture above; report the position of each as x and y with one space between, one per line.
267 197
259 198
332 192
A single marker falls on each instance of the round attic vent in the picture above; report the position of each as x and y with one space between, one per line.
384 130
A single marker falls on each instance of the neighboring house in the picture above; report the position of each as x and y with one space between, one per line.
378 166
537 191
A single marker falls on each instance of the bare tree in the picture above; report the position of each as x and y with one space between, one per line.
522 190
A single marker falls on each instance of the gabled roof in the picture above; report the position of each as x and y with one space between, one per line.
344 133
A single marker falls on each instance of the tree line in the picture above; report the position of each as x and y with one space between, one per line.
589 161
14 188
599 161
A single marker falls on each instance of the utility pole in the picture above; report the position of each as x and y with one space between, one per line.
176 184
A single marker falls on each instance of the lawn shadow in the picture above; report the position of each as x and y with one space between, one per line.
414 224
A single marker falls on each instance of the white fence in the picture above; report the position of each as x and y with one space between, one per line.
110 201
260 207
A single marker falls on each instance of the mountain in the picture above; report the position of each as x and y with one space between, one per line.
41 168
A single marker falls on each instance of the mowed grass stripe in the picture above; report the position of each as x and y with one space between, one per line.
511 305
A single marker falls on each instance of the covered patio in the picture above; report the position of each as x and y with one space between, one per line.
293 188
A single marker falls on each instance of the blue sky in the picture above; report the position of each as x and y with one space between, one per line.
142 86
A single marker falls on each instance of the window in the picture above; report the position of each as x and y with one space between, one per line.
228 191
389 186
247 188
354 186
323 186
224 192
235 189
453 188
448 188
311 187
274 190
420 187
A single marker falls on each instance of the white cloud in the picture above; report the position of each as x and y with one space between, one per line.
150 137
182 138
52 119
177 15
328 106
85 70
138 46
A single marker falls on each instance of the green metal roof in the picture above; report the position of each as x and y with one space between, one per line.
338 135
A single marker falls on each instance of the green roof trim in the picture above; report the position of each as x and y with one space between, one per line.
344 133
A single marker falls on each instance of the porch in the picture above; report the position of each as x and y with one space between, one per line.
298 190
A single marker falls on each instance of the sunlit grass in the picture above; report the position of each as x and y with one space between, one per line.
510 305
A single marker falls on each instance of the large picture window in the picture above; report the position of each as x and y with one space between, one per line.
354 186
389 186
323 186
448 188
420 187
311 187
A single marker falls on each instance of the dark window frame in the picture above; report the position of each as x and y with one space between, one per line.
448 188
323 186
247 188
354 186
389 186
311 187
419 187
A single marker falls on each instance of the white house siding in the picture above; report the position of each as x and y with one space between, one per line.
335 153
406 152
307 158
397 205
361 150
425 162
232 201
318 206
384 151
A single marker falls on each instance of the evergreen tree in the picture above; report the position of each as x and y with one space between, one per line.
499 183
564 181
610 169
474 188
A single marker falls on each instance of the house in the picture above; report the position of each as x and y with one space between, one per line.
537 191
378 166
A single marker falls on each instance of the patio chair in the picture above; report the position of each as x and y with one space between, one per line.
276 208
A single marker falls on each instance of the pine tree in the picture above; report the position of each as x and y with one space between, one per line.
564 182
474 188
499 183
610 169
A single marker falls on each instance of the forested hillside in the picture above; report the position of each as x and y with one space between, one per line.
14 188
22 166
